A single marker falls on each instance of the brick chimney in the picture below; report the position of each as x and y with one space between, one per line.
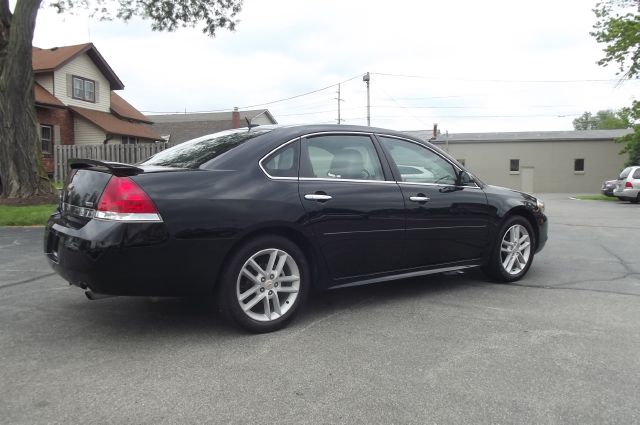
235 118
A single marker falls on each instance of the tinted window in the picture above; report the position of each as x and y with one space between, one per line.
578 164
194 153
417 164
341 157
514 165
284 162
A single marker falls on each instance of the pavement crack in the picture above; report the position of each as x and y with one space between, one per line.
32 279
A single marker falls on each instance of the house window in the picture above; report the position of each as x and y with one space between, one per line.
514 166
46 135
84 89
129 140
578 165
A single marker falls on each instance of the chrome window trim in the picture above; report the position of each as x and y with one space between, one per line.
438 185
271 153
454 165
334 132
346 180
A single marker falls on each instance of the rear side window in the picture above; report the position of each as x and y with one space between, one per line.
636 174
284 162
196 152
351 157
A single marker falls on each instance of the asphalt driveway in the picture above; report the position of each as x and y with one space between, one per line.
561 346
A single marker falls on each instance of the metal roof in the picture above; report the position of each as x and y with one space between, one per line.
522 136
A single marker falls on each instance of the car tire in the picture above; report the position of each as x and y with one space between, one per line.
264 285
512 252
636 200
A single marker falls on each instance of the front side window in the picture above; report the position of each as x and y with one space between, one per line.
46 135
417 164
84 89
351 157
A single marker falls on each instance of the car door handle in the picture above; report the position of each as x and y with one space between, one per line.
317 197
421 198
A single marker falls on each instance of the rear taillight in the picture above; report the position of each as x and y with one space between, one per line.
628 185
123 200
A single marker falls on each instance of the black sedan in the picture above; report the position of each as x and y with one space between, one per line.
258 217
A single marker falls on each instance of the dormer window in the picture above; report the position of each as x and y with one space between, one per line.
84 89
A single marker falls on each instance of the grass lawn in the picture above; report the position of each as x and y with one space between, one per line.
596 198
29 215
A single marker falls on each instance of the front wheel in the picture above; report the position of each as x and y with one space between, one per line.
513 251
264 284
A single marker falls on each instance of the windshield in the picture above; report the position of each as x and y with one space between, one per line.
194 153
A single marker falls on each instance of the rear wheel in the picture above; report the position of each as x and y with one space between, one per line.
513 251
635 201
264 284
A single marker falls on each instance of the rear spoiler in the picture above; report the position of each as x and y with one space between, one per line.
116 168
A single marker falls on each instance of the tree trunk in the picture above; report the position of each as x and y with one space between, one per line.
21 170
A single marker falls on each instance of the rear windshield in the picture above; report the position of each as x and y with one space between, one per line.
625 173
194 153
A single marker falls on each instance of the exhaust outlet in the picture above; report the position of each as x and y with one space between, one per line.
93 296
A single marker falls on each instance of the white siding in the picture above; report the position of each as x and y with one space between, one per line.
86 133
552 163
83 66
46 81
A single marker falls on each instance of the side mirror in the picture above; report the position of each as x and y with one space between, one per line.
465 179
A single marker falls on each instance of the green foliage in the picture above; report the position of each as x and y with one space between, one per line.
596 198
604 120
618 27
632 141
32 215
165 15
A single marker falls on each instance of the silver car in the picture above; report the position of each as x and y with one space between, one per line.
628 185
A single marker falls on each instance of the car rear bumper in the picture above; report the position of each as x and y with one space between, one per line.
626 193
128 259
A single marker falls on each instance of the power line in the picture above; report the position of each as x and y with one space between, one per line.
424 77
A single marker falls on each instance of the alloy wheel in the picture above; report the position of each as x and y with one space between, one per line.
515 249
268 285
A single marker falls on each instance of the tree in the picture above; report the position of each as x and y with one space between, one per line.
21 169
604 120
618 28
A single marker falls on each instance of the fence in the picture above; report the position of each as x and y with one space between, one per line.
128 154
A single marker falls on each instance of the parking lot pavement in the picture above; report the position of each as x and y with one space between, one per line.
561 346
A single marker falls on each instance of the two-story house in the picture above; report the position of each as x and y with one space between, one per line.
76 101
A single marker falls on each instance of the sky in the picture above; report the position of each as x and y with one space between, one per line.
467 65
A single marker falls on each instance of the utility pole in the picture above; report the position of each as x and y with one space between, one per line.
367 78
339 100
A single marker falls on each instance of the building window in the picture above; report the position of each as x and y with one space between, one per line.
46 135
84 89
578 165
514 166
129 140
462 162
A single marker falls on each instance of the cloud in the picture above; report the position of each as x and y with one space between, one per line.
283 48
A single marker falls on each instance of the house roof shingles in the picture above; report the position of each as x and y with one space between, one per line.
122 108
183 127
113 125
43 97
48 60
